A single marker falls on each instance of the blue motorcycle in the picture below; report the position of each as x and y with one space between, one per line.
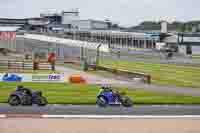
109 97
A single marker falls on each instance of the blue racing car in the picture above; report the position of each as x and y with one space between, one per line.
107 96
11 78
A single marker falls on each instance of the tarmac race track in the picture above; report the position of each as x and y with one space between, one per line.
28 125
95 110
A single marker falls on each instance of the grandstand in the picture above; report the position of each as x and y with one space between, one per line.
118 39
13 22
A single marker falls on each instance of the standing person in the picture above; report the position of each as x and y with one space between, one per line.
36 62
52 60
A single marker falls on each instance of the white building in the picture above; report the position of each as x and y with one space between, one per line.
90 24
70 16
183 41
64 17
71 20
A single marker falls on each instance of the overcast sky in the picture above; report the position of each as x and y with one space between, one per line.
124 12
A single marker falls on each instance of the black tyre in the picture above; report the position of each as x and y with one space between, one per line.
102 102
41 101
14 101
126 102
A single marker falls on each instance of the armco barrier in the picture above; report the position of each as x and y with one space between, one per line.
131 75
71 60
18 65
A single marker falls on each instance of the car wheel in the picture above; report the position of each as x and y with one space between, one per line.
14 101
102 102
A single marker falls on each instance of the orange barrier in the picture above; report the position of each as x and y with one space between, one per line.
77 79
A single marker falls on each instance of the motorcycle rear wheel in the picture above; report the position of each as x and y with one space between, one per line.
14 101
127 102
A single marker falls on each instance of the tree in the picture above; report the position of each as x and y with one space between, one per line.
183 28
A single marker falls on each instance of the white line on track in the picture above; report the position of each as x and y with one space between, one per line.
3 116
119 116
105 116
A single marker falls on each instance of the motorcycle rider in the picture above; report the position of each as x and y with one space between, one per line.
117 95
105 88
20 87
25 90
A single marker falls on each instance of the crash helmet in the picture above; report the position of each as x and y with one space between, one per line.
20 87
103 86
106 87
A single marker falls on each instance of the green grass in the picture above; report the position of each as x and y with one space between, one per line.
163 74
72 66
61 93
195 56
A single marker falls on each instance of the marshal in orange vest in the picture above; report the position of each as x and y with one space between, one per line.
51 57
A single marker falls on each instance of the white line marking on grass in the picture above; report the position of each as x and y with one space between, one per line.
119 116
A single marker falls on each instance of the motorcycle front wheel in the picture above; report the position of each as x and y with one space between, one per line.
101 102
41 101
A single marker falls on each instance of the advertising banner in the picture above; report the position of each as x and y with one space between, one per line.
48 77
15 77
7 35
